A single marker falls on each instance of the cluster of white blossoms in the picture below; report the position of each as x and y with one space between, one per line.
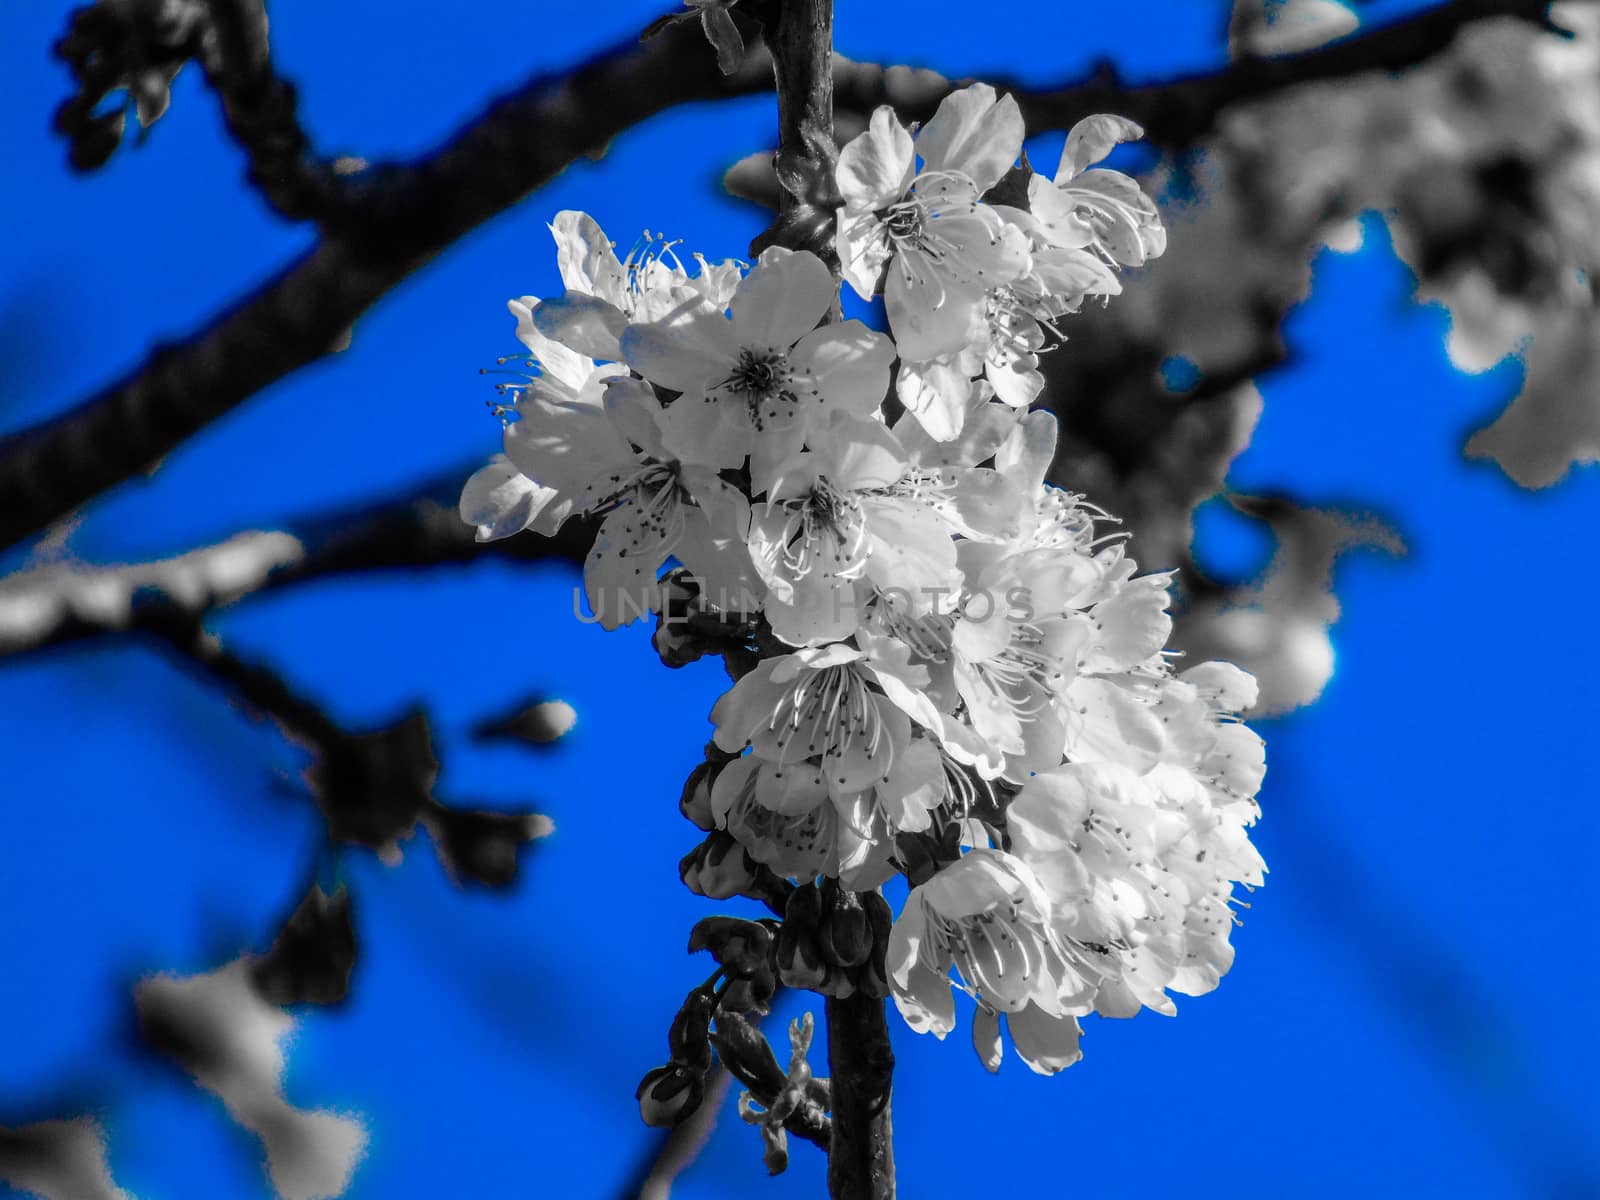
956 651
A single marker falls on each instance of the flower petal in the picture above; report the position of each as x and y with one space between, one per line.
1046 1043
849 363
585 257
1092 139
973 133
930 313
782 299
586 324
500 500
877 166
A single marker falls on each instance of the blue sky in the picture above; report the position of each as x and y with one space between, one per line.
1409 1006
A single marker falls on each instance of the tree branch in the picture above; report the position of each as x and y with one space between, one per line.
1181 111
861 1069
400 216
258 107
62 603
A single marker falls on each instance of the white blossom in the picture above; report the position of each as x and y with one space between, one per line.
942 247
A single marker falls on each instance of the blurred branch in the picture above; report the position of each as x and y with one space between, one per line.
374 787
1180 111
676 1148
60 603
399 216
259 108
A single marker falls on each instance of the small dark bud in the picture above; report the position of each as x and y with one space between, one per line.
695 802
748 1055
313 955
800 964
739 946
750 994
843 936
872 977
96 140
668 1094
536 724
718 868
482 846
803 909
689 1039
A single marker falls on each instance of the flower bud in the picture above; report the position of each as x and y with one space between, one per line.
872 976
843 936
741 947
838 983
689 1039
775 1152
668 1094
799 963
751 994
674 641
695 802
718 868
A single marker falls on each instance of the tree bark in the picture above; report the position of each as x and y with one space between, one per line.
861 1066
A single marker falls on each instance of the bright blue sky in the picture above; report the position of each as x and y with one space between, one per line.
1409 1007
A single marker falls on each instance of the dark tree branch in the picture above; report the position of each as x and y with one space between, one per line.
1181 111
63 603
398 217
258 107
260 688
374 787
861 1068
800 36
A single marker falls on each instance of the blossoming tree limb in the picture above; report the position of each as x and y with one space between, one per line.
399 216
856 509
834 510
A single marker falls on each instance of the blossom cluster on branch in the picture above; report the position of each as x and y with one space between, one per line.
954 671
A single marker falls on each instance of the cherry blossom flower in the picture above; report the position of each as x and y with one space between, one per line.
987 916
753 382
1101 210
604 293
841 519
851 709
978 695
942 247
585 438
1139 871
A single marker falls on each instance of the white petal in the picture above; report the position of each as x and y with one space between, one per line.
973 133
500 500
936 394
782 299
1092 139
876 167
930 313
849 363
585 257
1046 1043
